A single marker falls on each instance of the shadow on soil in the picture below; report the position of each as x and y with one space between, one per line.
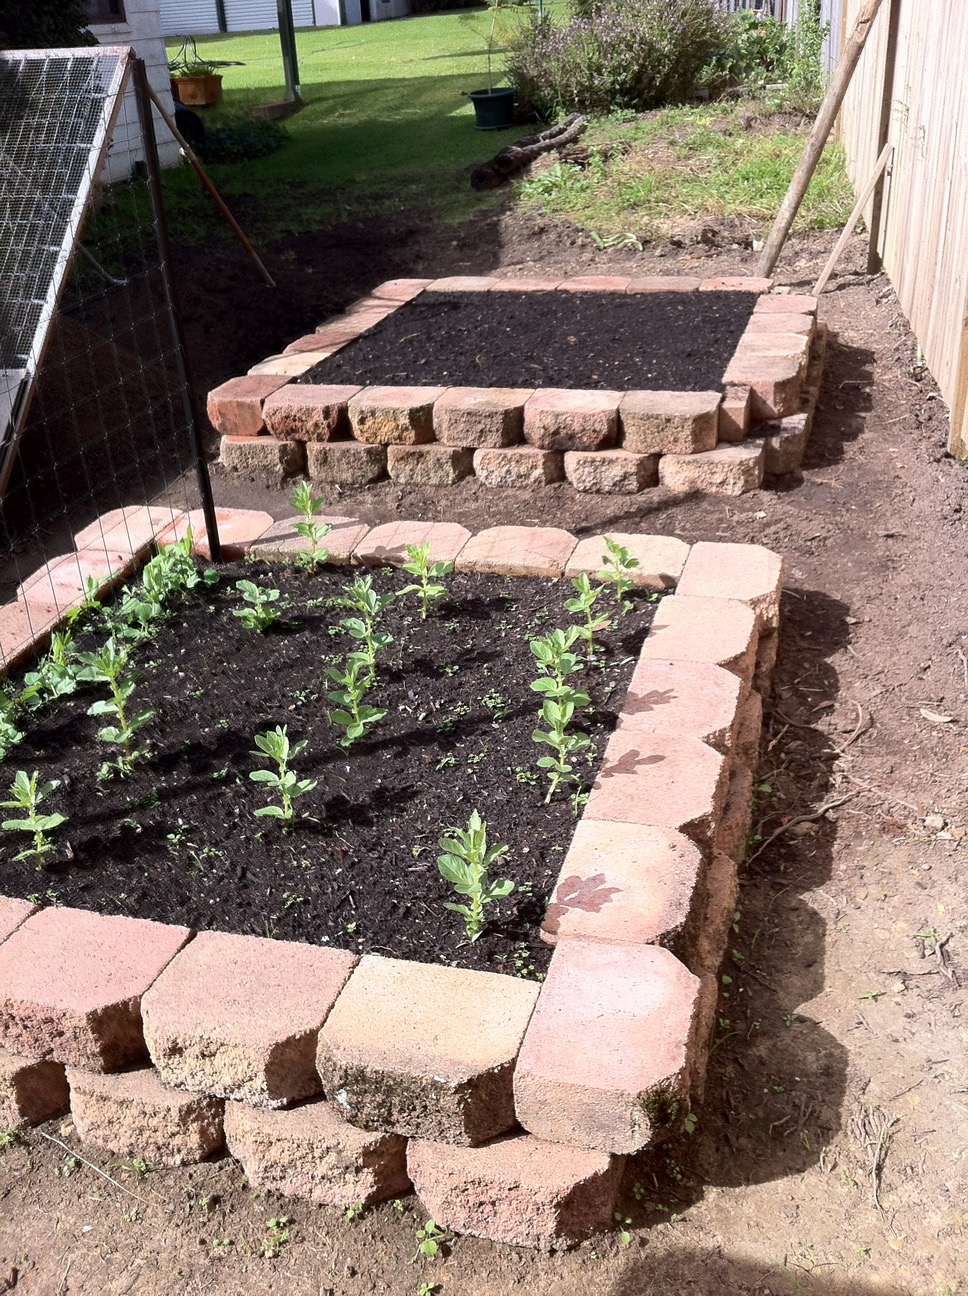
706 1274
776 1079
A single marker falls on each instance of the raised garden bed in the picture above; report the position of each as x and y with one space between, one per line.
616 385
508 1105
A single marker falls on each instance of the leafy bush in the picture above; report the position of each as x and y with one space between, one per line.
238 141
44 24
755 53
804 59
635 54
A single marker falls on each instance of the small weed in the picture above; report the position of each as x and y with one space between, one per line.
10 1138
353 1212
624 1223
69 1166
690 1123
430 1238
278 1235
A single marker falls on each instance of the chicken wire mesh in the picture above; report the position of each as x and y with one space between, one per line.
95 404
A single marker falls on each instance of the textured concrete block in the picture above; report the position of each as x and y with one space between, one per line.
595 283
748 573
519 467
429 465
773 322
519 1190
611 472
401 290
730 470
524 285
696 699
235 408
517 551
566 419
295 364
60 583
309 411
775 382
784 442
282 543
625 882
660 558
733 830
721 631
462 283
312 1152
239 1016
606 1059
784 303
134 529
736 283
394 415
392 1059
663 780
237 530
134 1114
663 284
326 340
72 983
735 414
747 745
386 545
345 463
13 913
765 662
481 417
657 422
30 1092
25 630
262 456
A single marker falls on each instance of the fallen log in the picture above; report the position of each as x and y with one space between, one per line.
514 158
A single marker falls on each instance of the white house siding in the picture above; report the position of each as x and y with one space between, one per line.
141 29
200 17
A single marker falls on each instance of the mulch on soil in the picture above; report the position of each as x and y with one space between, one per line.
178 840
597 341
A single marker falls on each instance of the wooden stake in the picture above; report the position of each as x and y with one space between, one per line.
814 146
852 220
210 188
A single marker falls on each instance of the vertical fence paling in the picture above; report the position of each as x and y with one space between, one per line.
924 221
111 423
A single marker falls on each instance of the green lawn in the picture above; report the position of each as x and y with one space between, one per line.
384 114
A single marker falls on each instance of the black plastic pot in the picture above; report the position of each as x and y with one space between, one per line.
493 109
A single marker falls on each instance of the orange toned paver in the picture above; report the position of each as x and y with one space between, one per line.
235 408
660 558
517 551
749 573
698 699
386 545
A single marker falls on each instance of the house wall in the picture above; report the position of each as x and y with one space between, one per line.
924 237
141 29
201 18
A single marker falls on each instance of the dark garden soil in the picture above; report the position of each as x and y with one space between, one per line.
592 341
178 840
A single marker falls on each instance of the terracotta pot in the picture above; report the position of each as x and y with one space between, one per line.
197 91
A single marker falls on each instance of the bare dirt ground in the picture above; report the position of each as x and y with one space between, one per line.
830 1154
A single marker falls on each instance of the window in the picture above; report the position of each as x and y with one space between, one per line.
105 11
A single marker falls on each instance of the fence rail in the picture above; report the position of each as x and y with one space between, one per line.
924 231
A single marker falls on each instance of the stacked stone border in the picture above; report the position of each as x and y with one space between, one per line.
718 442
508 1106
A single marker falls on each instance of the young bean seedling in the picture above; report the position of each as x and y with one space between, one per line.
584 604
617 563
274 745
350 713
426 572
258 613
109 666
369 606
556 660
465 864
26 793
309 529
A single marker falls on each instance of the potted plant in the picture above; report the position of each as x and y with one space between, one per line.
494 107
196 84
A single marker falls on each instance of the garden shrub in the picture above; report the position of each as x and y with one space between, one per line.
755 54
44 24
615 54
240 140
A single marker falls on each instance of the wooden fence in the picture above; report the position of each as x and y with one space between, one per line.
924 231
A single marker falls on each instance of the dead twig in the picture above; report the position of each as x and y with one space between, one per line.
861 726
888 800
97 1170
799 819
872 1128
